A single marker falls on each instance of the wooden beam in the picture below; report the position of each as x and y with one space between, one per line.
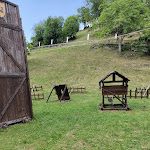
112 81
12 75
9 3
114 78
9 26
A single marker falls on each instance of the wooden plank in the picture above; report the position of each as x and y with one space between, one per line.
114 90
9 3
11 98
9 26
12 58
27 72
112 81
12 75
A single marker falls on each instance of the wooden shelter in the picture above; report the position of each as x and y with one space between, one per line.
117 91
15 97
62 93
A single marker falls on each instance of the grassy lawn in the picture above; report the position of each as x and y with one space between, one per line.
79 124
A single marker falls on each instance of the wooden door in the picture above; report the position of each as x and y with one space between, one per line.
15 97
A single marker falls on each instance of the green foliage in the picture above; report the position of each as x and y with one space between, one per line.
28 48
71 26
94 6
84 14
53 30
38 31
122 16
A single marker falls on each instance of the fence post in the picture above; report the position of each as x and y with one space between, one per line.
130 94
135 92
147 94
141 93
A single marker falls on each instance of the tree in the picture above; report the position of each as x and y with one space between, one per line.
71 26
38 30
84 15
147 2
53 30
123 16
94 6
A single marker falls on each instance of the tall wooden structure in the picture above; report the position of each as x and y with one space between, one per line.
15 97
114 89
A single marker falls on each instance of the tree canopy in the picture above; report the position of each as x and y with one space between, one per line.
71 26
123 16
38 31
84 14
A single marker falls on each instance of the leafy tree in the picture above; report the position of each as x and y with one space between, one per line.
123 16
53 30
147 2
38 30
95 7
84 14
71 26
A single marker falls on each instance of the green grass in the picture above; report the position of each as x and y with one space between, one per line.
79 124
82 35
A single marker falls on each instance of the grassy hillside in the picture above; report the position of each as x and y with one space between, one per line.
82 35
86 66
79 124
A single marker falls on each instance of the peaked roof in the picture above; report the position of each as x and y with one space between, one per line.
116 73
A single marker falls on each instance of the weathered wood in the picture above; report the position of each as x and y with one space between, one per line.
11 98
12 75
12 58
9 26
13 67
114 90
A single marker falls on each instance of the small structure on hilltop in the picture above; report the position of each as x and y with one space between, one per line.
62 93
117 91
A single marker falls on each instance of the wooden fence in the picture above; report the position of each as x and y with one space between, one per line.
77 90
139 93
37 93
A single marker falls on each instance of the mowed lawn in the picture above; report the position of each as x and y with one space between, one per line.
79 124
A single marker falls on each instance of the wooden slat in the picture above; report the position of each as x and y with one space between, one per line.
114 90
9 26
11 99
12 75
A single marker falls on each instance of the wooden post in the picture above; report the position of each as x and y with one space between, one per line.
147 94
141 93
135 92
103 101
130 94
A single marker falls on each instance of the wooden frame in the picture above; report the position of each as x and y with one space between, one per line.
111 92
62 93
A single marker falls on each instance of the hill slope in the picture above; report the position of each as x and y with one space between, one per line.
86 66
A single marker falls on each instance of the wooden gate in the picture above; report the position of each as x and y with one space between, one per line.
15 97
